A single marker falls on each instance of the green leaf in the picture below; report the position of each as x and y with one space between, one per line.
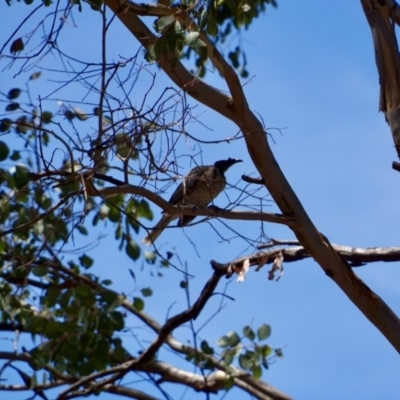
150 54
109 298
161 23
228 357
96 4
119 231
265 350
249 333
70 115
257 372
46 117
205 348
212 27
21 176
191 38
201 49
118 320
246 361
114 214
147 292
177 27
229 340
132 274
132 250
54 329
22 124
12 107
144 210
13 93
5 124
83 290
223 341
263 332
82 229
51 297
264 362
86 261
234 57
15 156
38 227
150 256
229 383
40 271
183 284
138 303
244 73
4 151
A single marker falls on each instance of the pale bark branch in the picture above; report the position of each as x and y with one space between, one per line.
237 110
356 256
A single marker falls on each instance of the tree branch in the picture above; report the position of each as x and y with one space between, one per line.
356 256
212 211
237 110
379 16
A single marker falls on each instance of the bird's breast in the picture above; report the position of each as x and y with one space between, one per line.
205 192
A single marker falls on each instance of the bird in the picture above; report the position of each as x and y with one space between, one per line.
199 188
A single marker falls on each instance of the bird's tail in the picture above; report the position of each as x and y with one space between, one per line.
158 229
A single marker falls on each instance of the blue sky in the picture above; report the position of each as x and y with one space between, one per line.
313 75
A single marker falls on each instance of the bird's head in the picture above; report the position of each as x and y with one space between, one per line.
224 165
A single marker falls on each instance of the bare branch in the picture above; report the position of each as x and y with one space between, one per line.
356 256
179 319
257 181
191 210
237 110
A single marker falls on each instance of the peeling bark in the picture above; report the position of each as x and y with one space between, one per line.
380 16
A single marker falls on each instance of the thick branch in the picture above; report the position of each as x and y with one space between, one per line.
190 210
180 319
237 110
356 256
128 392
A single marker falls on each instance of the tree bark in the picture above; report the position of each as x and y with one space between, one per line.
379 17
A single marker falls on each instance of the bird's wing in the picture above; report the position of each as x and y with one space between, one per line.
188 185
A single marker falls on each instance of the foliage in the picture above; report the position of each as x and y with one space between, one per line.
51 175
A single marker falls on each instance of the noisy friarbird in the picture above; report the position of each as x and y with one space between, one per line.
199 188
